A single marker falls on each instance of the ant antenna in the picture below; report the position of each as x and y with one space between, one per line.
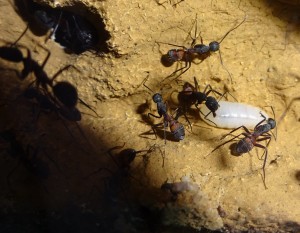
287 109
144 83
221 60
274 135
233 28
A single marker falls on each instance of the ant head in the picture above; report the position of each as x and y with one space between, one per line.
212 104
272 123
126 156
214 46
157 98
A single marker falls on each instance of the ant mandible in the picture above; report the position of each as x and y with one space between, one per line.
246 144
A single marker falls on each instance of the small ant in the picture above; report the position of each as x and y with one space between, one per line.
176 128
122 160
246 144
27 157
191 95
200 51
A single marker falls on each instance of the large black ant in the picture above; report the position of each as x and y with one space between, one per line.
176 127
190 95
200 51
246 144
65 92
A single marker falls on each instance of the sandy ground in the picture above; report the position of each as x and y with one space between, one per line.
263 57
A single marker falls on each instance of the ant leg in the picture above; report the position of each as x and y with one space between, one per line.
187 66
175 4
205 117
196 84
88 106
259 123
265 154
196 27
224 144
185 116
20 37
179 46
60 71
244 127
47 57
150 114
111 155
267 137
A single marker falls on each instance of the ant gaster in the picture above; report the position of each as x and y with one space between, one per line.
176 128
246 144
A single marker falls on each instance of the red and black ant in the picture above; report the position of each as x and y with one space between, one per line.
250 139
176 127
200 51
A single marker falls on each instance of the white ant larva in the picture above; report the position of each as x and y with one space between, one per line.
232 115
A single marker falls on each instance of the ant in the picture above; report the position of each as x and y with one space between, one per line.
176 128
123 161
48 103
246 144
191 95
13 53
65 92
27 157
200 51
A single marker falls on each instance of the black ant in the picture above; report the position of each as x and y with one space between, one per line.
65 92
48 103
123 161
191 95
246 144
13 53
27 157
200 51
176 128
